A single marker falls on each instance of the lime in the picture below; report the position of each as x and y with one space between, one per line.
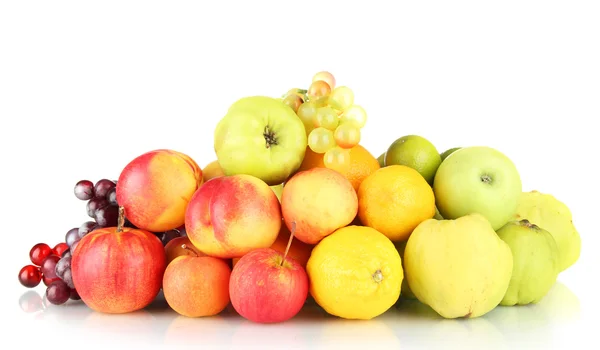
416 152
446 153
381 160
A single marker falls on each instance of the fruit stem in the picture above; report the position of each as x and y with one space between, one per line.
184 246
287 249
528 224
121 219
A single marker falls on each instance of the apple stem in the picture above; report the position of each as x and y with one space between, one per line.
287 249
184 246
121 219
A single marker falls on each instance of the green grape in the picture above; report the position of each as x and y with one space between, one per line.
327 118
326 77
320 140
337 159
341 98
307 113
355 114
347 135
293 101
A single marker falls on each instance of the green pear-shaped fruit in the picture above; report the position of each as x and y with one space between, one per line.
448 152
535 262
381 160
460 267
405 289
262 137
549 213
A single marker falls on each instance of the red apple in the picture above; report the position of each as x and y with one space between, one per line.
118 269
268 287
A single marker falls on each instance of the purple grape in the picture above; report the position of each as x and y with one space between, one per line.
72 236
86 228
102 187
95 204
68 278
107 216
58 292
62 265
182 232
66 254
84 190
112 196
75 245
74 295
166 237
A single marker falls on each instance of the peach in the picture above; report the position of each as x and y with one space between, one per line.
319 201
197 286
299 250
156 187
232 215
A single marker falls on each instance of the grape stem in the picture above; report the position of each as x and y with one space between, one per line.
287 249
121 219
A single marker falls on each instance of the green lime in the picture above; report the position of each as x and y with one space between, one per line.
416 152
381 160
446 153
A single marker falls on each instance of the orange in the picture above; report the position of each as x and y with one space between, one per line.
394 200
362 164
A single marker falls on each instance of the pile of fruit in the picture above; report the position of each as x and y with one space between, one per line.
295 208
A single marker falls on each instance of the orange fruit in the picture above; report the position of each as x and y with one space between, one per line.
362 164
299 250
394 200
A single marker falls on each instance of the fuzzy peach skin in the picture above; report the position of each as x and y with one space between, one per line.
197 286
156 187
118 272
231 215
320 201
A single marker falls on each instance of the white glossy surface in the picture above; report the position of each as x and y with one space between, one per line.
87 86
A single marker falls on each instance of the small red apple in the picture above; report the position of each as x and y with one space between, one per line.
118 269
267 286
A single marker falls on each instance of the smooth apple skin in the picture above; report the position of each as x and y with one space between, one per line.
231 215
155 188
118 272
197 286
460 189
263 291
241 147
318 201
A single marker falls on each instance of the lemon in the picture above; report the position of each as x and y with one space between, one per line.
416 152
355 273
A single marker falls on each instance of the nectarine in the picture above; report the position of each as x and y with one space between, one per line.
155 189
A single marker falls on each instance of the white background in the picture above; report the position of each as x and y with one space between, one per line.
87 86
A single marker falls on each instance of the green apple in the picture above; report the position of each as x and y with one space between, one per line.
278 190
535 262
478 179
262 137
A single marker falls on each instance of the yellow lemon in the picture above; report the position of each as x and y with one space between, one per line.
355 273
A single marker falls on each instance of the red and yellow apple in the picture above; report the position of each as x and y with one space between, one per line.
266 287
197 286
118 271
180 246
319 201
155 189
231 215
